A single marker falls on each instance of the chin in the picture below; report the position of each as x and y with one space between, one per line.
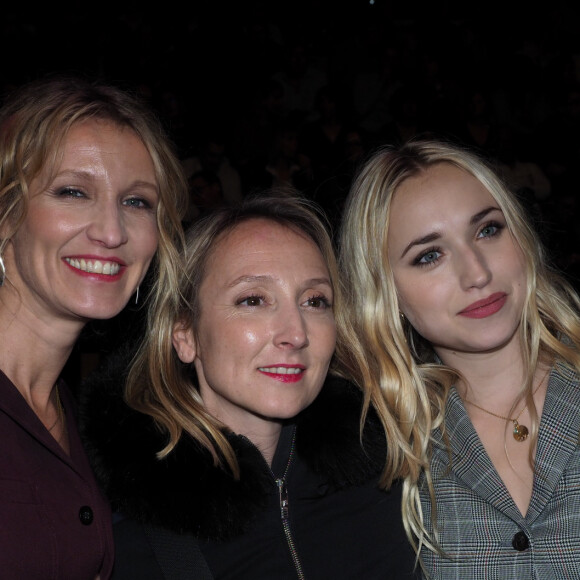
278 412
280 415
100 312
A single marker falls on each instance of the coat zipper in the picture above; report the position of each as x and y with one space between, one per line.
285 513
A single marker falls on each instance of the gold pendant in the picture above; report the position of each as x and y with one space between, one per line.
520 432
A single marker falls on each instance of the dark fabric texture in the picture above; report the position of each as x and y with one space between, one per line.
43 494
342 524
178 553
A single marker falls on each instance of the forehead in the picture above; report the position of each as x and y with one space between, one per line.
98 130
84 135
439 188
97 150
260 242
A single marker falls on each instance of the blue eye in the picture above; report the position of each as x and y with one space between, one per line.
429 257
70 192
137 202
490 230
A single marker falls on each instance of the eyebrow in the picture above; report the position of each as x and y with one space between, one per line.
436 235
269 279
479 216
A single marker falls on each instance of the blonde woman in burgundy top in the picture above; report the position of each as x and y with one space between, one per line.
89 198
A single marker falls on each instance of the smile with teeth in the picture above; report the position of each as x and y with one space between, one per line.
94 266
281 370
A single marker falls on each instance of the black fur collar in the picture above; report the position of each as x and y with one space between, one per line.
185 492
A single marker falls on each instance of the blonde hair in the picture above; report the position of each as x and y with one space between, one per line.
396 368
159 384
34 123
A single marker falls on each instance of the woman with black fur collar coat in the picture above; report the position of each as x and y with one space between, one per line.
231 459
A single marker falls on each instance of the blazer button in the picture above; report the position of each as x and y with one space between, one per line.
86 515
520 542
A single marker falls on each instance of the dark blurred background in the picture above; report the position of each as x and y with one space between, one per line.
259 93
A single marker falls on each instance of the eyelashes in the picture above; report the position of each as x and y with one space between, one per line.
433 254
132 202
430 256
316 301
138 203
70 192
253 300
490 230
319 301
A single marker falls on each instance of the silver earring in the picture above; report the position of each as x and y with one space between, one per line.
137 296
2 271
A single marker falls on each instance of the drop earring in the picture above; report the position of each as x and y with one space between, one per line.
2 271
137 296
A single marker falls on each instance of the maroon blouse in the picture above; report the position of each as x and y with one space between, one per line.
54 522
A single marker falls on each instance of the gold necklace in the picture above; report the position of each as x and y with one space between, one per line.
520 432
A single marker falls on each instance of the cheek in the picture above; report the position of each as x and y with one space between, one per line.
147 241
247 337
421 304
323 338
517 267
44 227
409 294
221 343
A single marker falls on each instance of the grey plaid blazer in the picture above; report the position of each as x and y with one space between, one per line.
481 529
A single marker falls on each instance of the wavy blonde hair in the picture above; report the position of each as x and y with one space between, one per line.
159 384
393 365
34 122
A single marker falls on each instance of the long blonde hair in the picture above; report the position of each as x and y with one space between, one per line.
394 366
34 122
159 384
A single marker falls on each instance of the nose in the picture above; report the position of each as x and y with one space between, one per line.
291 331
107 226
474 271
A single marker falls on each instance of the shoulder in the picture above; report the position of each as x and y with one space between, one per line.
329 435
564 375
184 490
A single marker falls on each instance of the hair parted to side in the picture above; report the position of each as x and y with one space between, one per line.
159 384
34 122
396 368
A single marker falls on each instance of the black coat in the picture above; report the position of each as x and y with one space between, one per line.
186 516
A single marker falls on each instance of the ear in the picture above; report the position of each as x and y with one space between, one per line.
184 342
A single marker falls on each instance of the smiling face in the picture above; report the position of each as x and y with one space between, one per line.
91 229
459 275
266 330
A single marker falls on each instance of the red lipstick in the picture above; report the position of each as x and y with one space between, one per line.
486 307
284 373
96 267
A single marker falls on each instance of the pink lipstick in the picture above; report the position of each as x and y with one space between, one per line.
486 307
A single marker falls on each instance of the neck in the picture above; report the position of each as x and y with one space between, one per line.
490 376
266 444
34 351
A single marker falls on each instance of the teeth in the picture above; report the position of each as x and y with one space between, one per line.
94 266
281 370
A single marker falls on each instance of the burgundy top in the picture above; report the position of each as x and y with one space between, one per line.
54 522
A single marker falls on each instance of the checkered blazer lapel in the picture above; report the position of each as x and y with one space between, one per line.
557 443
558 436
470 462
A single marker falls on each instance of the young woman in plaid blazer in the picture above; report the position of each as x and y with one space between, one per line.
467 343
